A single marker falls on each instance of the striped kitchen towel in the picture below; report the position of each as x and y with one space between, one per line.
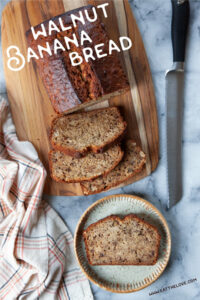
36 249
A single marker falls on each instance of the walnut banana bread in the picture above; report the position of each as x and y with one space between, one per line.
79 133
127 241
132 163
69 169
73 87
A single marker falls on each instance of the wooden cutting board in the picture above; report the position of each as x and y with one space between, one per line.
31 109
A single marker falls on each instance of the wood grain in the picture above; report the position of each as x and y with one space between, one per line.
31 109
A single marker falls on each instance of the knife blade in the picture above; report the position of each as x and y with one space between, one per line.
175 100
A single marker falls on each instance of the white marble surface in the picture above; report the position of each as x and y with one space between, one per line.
154 18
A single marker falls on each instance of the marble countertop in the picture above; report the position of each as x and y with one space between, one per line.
154 18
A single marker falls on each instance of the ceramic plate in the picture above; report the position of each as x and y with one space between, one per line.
123 279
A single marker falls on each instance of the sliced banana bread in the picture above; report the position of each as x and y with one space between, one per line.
95 130
69 169
127 241
132 163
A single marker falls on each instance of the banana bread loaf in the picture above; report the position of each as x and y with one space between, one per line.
73 87
127 241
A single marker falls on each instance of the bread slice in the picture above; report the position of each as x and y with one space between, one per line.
95 130
69 169
132 163
127 241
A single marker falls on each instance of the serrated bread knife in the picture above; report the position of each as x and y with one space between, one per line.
174 99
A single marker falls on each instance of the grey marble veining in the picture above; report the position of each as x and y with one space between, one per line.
154 21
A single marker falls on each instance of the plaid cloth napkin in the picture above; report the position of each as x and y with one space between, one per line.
36 249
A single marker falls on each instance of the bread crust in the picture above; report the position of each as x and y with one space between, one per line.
92 148
127 217
65 96
86 192
82 179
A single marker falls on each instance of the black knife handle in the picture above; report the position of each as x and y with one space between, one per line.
180 21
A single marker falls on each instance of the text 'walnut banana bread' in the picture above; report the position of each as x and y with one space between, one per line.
79 133
127 241
73 87
70 169
132 163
